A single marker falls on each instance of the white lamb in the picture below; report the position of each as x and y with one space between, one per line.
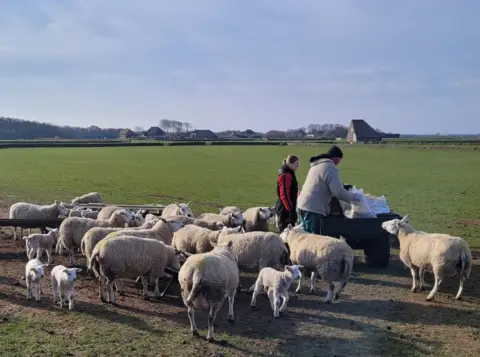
91 197
276 283
39 242
230 220
442 254
257 218
63 284
175 209
24 210
34 274
229 209
330 258
214 226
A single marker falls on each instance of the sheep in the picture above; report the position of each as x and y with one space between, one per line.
127 256
24 210
276 283
39 242
73 229
162 230
87 213
330 258
106 213
194 239
175 209
214 226
228 209
231 220
63 284
150 216
34 274
91 197
205 280
441 254
257 218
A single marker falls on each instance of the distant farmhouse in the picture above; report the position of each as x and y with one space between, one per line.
127 134
360 132
202 135
155 133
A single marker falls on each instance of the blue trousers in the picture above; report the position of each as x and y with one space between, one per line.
310 220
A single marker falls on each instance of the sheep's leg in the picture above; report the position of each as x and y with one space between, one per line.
271 298
414 272
29 231
460 288
27 248
29 288
73 261
15 233
70 299
331 287
157 289
49 255
39 252
343 283
256 292
421 275
191 317
62 298
38 289
285 301
313 276
101 288
438 281
297 290
21 232
276 304
111 294
145 287
231 300
214 307
54 290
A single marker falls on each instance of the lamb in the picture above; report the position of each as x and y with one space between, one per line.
442 254
87 213
231 220
63 284
193 239
129 257
150 216
162 230
175 209
91 197
39 242
214 226
257 218
330 258
73 229
276 283
228 209
205 280
106 213
24 210
34 274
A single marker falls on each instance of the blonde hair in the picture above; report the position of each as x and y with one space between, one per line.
290 159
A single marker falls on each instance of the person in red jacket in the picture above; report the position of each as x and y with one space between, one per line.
287 191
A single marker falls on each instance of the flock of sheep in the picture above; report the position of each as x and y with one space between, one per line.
209 250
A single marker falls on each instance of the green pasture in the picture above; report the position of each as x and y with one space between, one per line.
439 189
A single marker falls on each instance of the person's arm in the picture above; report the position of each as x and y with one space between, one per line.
285 184
336 187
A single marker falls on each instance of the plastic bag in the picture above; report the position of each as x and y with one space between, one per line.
360 209
378 204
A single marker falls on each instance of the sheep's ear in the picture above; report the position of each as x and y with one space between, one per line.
188 204
43 265
78 270
25 237
238 229
220 210
230 242
289 227
48 229
185 254
300 266
55 202
405 219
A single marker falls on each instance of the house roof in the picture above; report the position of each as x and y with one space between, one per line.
124 131
204 132
155 130
363 130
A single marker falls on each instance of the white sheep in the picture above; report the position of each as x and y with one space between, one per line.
91 197
257 218
230 220
73 229
129 257
276 283
441 254
205 280
150 217
63 284
106 213
214 226
24 210
175 209
39 242
228 209
330 258
194 239
34 274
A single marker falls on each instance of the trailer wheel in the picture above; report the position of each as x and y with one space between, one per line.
377 252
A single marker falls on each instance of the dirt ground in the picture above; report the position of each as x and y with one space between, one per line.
376 316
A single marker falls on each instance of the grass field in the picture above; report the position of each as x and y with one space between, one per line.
378 316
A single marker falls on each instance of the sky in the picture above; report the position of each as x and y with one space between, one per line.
404 66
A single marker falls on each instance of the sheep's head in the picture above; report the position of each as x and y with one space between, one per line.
175 224
236 218
126 215
226 248
219 226
295 271
137 219
70 274
393 226
286 232
184 209
227 231
54 231
37 272
265 213
229 209
62 210
174 262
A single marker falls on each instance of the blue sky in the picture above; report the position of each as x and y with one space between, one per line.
405 66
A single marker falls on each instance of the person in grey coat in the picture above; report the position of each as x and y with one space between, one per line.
322 183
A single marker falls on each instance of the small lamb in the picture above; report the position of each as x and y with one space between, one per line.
91 197
63 284
39 242
34 274
276 284
230 220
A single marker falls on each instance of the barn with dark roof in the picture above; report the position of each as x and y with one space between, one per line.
360 132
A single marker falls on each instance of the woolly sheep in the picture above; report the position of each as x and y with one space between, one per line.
162 230
150 217
91 197
106 213
63 284
276 283
87 213
34 274
175 209
441 254
257 218
129 257
39 242
73 229
205 280
228 209
214 226
194 239
330 258
24 210
231 220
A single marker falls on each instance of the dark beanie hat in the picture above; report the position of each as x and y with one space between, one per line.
335 151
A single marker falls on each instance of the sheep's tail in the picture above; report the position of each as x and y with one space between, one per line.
94 264
59 246
196 286
346 267
82 246
465 264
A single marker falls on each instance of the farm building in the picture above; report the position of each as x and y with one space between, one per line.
127 134
360 131
202 135
155 133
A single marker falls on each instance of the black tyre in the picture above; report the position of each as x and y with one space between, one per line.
377 252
